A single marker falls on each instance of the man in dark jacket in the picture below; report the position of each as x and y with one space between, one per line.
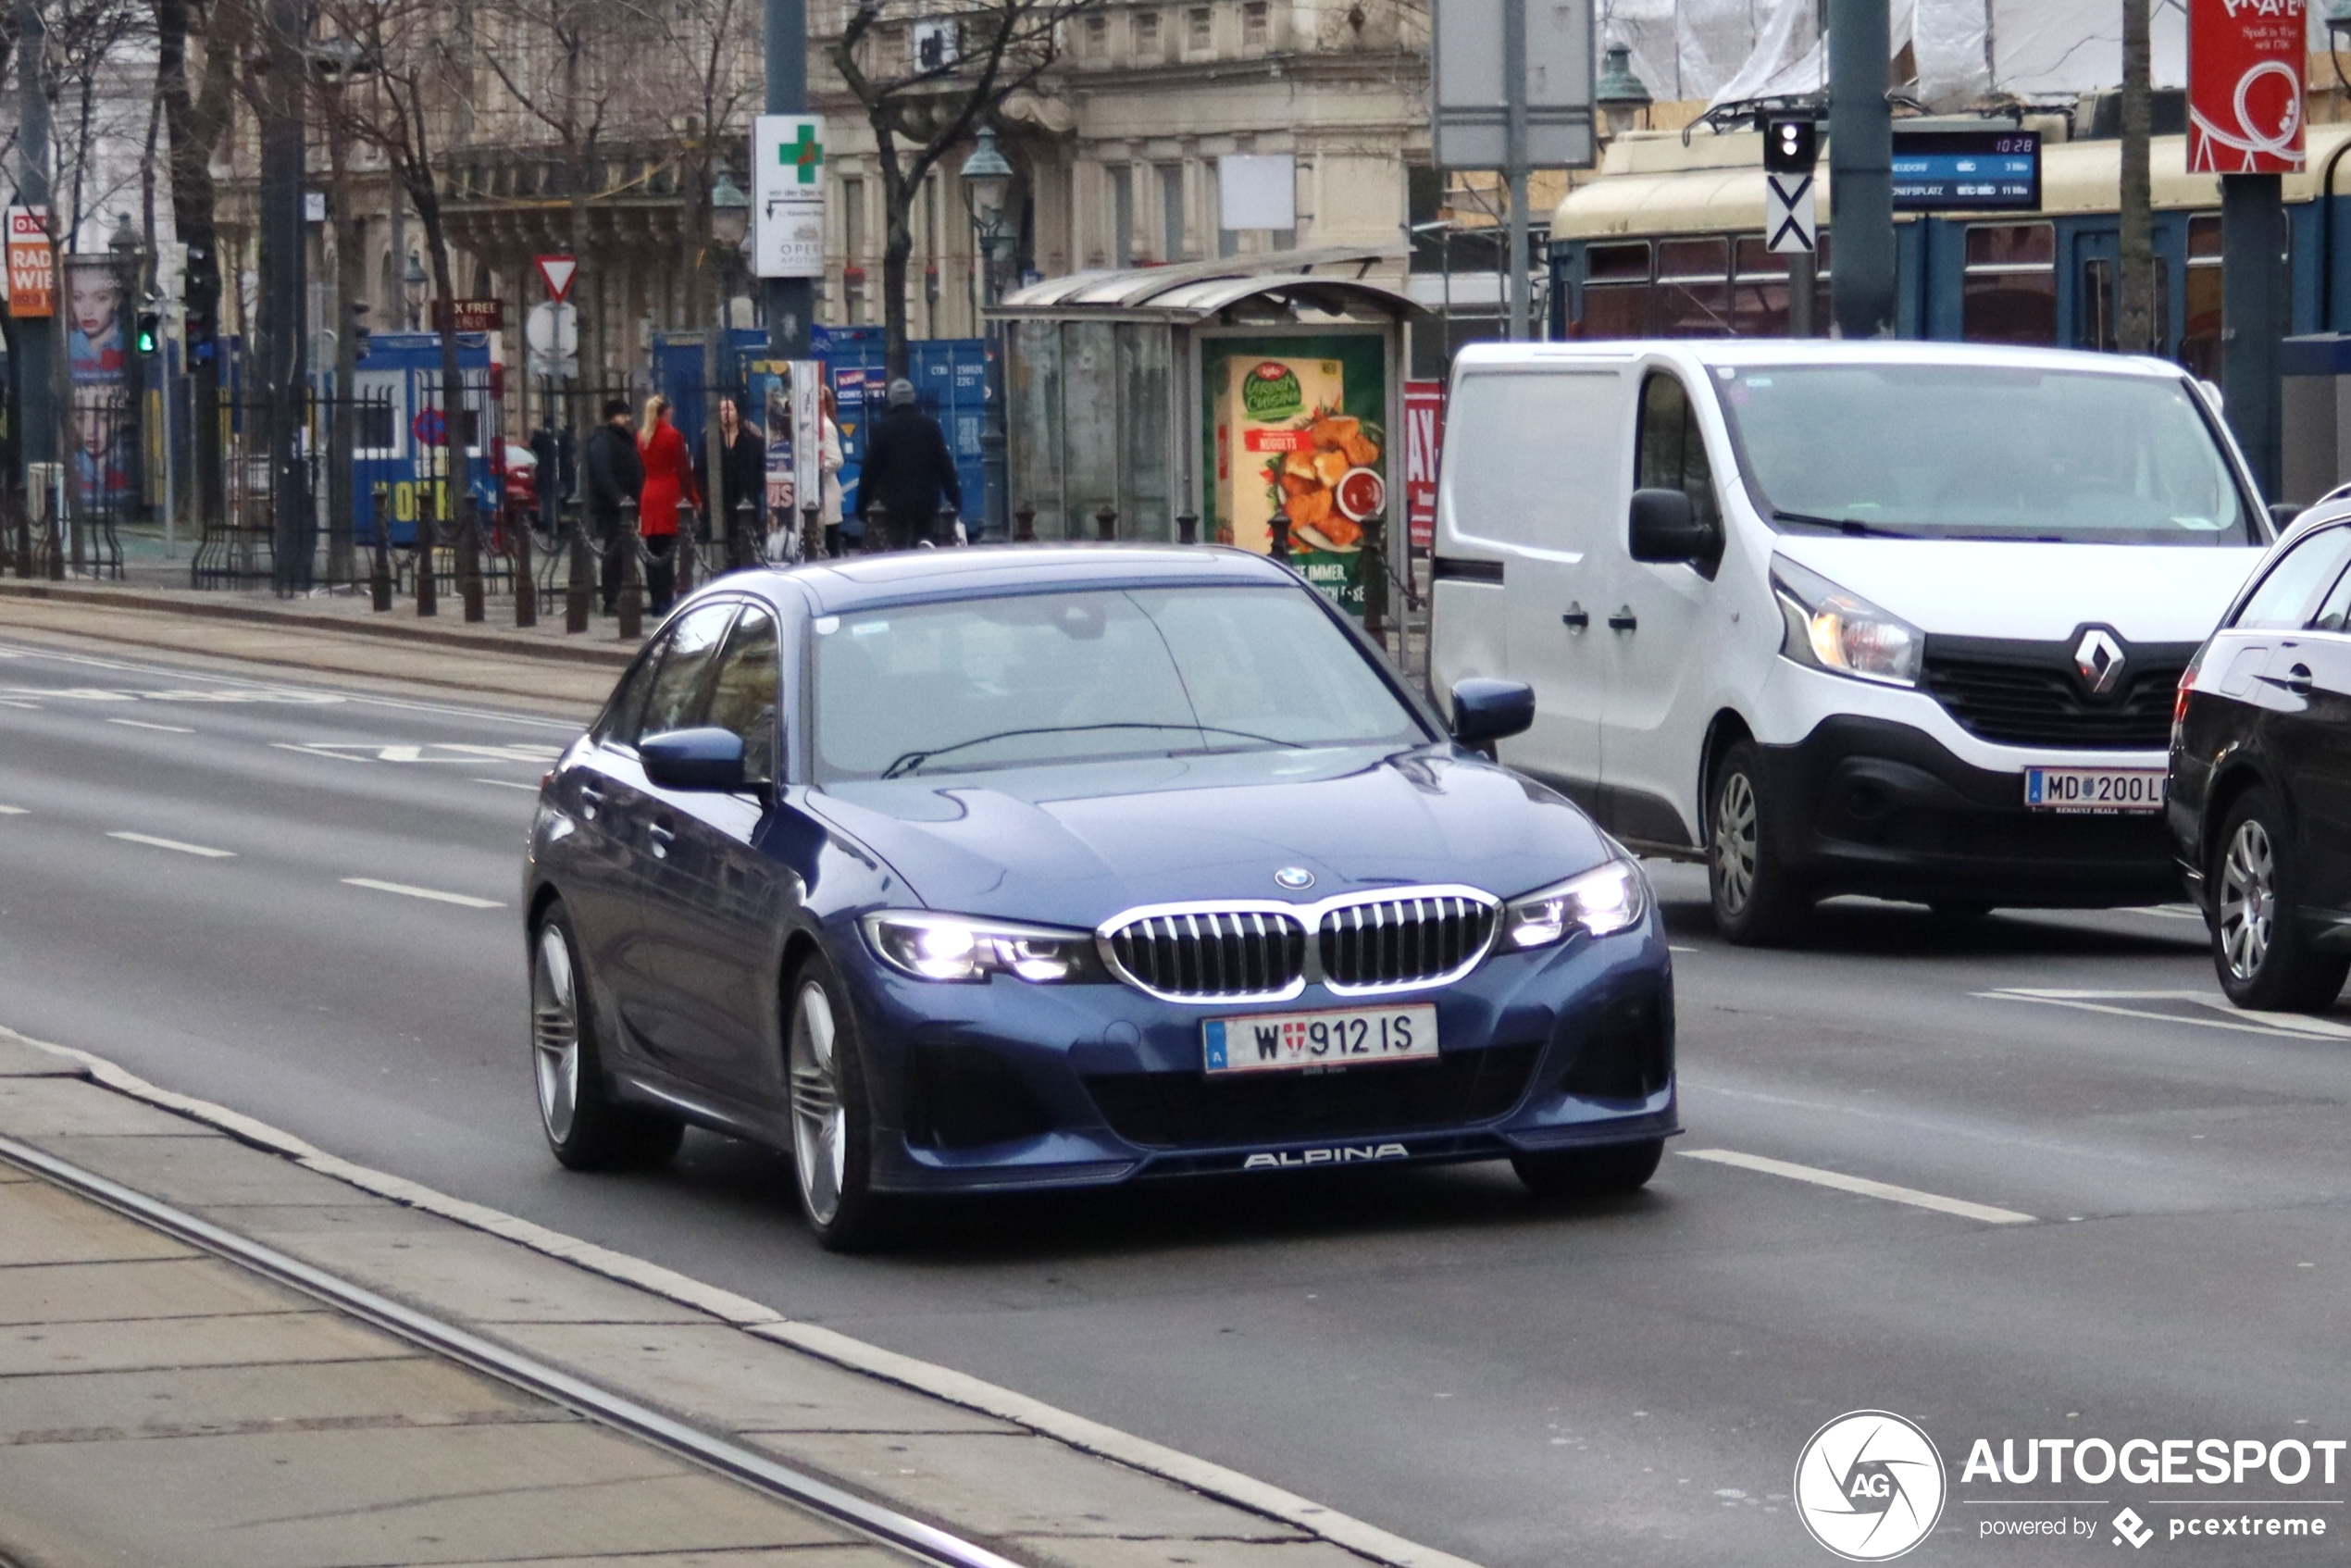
615 473
907 469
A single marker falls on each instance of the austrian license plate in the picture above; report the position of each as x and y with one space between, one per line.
2094 789
1274 1042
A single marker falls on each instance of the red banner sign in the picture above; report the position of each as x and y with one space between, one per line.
2246 63
471 316
1423 439
33 273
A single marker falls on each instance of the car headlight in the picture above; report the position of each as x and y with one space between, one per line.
1833 628
1601 902
950 947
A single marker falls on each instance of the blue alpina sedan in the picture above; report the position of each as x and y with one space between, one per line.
980 870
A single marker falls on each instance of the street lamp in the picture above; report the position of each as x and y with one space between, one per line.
413 283
986 179
1620 96
730 227
127 251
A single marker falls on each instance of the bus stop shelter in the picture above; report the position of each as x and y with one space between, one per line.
1216 392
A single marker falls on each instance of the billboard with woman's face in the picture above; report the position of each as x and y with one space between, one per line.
97 362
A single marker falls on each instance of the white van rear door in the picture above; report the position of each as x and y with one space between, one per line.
1532 461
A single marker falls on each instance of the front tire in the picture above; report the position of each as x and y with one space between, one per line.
831 1116
586 1129
1758 902
2260 950
1589 1173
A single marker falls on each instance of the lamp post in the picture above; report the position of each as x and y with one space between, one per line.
413 283
987 179
729 224
125 247
1620 95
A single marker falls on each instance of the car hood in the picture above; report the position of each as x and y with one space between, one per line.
1972 588
1073 845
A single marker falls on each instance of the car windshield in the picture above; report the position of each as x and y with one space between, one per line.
1982 451
1040 678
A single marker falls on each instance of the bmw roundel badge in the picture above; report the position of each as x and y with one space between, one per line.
1294 879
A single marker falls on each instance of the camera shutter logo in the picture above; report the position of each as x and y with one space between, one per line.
1870 1485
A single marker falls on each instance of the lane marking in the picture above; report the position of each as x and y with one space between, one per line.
20 707
856 1355
2239 1020
1861 1185
464 899
174 844
143 724
14 811
508 784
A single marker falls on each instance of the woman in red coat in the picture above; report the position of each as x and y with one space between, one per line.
669 478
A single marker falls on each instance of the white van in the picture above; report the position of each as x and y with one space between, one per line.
1895 618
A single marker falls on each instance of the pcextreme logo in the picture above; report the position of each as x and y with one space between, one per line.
1869 1486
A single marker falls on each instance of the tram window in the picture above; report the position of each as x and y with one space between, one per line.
1693 288
1759 289
2200 324
2010 292
371 426
1616 291
2097 312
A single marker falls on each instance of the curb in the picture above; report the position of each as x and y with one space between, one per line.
1355 1536
608 654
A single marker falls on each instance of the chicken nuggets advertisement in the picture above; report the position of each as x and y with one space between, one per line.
1300 425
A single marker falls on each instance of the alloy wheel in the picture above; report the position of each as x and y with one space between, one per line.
819 1122
1734 842
554 1026
2248 899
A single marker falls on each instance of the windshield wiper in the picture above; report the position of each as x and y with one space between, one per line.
1853 525
910 761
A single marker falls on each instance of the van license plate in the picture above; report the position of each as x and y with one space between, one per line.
1304 1041
2100 789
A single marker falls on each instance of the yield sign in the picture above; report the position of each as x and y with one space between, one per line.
557 272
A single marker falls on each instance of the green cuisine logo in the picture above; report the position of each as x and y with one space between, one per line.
1271 393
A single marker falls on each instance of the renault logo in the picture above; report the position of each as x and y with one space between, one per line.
2099 658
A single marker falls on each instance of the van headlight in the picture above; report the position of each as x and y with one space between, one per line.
953 948
1601 902
1835 628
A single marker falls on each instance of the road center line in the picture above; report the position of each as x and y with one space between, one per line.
2275 1025
143 724
508 784
1861 1185
174 844
464 899
13 810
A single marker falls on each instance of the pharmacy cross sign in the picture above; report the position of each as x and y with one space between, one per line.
806 154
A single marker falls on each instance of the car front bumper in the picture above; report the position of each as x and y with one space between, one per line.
1872 806
1005 1085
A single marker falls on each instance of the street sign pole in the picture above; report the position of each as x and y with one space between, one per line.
1514 154
1862 169
791 302
1791 226
36 349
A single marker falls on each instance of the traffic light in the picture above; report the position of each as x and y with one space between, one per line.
150 331
1790 146
359 328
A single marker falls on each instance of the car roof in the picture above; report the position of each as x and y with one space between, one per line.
861 581
1816 350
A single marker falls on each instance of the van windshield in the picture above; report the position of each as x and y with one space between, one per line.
1982 451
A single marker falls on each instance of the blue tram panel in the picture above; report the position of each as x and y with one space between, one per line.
1967 170
401 439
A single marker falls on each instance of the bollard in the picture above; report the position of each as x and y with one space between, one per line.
744 546
427 590
1374 565
877 528
1186 528
632 599
469 563
943 529
1106 525
24 539
579 591
1278 526
526 584
685 550
380 570
1025 526
814 543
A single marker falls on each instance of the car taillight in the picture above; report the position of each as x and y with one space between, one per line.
2180 698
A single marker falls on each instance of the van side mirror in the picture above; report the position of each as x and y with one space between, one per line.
1486 710
708 758
1666 529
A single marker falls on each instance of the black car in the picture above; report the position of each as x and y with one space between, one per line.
2260 799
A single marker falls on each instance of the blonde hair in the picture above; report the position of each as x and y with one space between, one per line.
655 406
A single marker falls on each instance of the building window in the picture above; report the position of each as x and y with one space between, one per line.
1121 215
1145 36
1176 244
1200 30
1094 41
1257 24
2008 295
853 220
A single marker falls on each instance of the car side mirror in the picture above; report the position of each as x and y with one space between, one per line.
1486 710
1666 529
707 758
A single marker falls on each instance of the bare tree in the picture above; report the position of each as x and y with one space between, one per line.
713 41
195 120
922 103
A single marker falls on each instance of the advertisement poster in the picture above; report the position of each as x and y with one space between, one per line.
1424 440
771 394
104 448
1298 422
2244 86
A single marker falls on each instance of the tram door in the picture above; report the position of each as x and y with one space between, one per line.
2096 306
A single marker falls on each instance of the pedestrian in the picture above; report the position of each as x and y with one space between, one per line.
669 478
615 473
830 462
742 476
906 471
